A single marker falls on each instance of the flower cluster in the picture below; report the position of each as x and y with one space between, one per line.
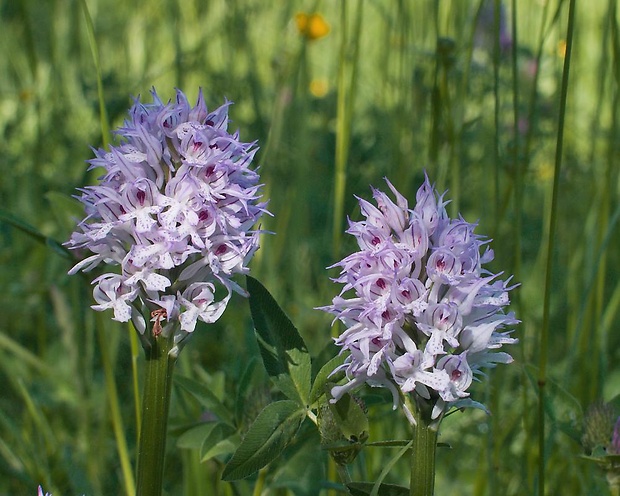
176 210
422 316
601 429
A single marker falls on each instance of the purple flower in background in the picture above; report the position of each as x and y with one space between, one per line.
422 315
614 446
175 210
486 30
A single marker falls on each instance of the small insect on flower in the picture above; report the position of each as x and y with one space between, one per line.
157 315
175 210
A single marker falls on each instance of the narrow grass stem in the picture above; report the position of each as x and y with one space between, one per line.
533 97
544 335
260 482
613 482
135 351
517 162
347 76
103 115
341 135
343 473
155 405
115 411
112 393
496 109
332 474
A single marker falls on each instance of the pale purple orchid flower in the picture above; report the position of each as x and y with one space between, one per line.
176 210
422 314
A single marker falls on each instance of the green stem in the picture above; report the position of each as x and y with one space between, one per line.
135 354
496 113
549 286
423 460
347 77
260 482
341 134
614 483
155 405
103 115
343 473
423 450
115 409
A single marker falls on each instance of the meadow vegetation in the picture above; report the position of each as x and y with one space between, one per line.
337 101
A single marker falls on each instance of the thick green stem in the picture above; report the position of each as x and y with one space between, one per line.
613 479
155 405
423 459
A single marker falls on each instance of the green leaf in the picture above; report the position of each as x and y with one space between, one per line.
303 474
66 210
205 397
390 443
271 432
350 418
247 378
365 488
318 387
224 447
282 349
195 436
615 403
23 226
218 442
13 221
562 408
343 427
211 438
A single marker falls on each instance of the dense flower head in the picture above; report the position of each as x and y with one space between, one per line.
175 210
601 428
422 315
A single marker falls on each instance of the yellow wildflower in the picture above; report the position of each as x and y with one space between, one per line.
312 26
319 87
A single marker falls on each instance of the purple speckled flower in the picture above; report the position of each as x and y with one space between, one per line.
175 210
422 315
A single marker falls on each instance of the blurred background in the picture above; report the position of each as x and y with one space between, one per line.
339 95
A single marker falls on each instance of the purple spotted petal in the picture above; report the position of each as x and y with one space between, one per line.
175 210
421 313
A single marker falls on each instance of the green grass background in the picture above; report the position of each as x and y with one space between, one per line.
403 86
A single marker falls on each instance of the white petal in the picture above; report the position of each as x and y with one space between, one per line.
188 319
156 282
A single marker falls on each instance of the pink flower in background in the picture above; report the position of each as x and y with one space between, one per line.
614 446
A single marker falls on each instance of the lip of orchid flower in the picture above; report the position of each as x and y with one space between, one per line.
175 208
421 312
